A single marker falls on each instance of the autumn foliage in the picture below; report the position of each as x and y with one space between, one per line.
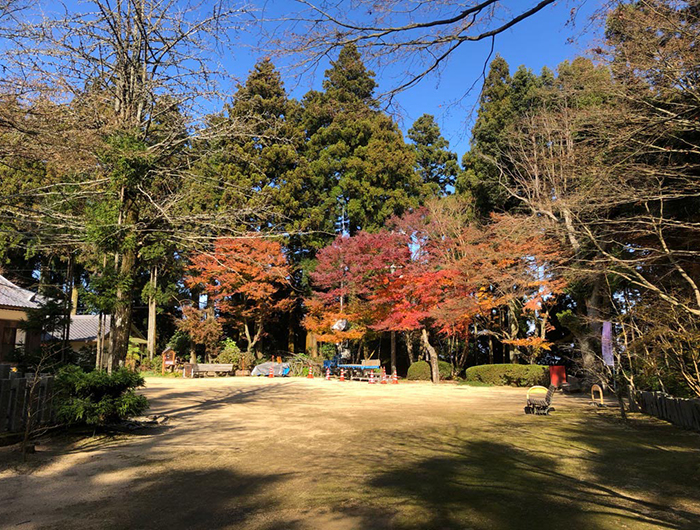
247 280
434 271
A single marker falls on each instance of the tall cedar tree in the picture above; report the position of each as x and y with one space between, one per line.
254 172
503 99
435 163
359 168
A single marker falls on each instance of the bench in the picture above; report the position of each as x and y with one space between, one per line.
371 363
539 400
211 368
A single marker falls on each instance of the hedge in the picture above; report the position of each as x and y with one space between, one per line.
420 371
509 374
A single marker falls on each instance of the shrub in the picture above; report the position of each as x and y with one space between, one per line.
328 350
231 354
420 371
154 365
98 398
509 374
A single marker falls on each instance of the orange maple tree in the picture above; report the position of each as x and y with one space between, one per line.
202 328
248 280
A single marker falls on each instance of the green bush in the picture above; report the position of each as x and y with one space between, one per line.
154 365
231 354
509 374
98 398
328 350
420 371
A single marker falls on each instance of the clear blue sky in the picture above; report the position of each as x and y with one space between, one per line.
542 40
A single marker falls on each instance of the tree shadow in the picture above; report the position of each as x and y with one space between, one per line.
226 396
209 498
487 484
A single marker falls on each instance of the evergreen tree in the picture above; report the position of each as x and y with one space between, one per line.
252 168
360 169
435 163
481 176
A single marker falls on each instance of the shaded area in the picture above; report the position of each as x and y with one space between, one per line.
609 477
156 496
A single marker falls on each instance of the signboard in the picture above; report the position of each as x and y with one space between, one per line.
607 347
168 359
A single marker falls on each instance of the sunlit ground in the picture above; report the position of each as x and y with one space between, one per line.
292 453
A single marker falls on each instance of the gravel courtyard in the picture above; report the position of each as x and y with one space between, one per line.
313 454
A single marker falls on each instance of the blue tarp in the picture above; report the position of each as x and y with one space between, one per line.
278 369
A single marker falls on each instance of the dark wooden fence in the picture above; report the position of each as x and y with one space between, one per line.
681 412
24 397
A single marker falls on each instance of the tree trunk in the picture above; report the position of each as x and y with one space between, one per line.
74 300
590 342
432 355
152 309
290 337
393 352
99 363
408 336
121 321
253 341
513 332
67 308
311 344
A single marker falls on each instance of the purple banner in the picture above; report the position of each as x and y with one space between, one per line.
608 358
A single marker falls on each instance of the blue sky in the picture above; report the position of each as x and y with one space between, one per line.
542 40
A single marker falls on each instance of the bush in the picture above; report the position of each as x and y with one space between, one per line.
231 354
148 365
509 374
98 398
328 350
420 371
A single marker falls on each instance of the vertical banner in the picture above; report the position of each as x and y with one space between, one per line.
608 357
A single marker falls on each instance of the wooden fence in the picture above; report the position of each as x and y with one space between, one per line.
18 402
684 413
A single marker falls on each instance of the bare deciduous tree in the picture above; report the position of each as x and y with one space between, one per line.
419 34
131 77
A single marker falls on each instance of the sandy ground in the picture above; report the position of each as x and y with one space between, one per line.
313 454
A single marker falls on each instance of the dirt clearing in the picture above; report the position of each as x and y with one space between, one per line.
312 454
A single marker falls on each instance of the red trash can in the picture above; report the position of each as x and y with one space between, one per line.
557 375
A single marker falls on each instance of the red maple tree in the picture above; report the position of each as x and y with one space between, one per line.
437 270
348 274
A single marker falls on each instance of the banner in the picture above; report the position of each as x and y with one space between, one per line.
608 357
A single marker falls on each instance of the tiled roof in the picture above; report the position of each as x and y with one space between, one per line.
84 328
12 295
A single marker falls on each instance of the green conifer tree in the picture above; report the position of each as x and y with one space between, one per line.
360 168
435 163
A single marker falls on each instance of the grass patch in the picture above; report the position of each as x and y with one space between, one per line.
152 373
474 383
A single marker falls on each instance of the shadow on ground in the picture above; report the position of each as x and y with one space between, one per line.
613 479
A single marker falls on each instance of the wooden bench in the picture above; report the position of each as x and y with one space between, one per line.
211 368
539 400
